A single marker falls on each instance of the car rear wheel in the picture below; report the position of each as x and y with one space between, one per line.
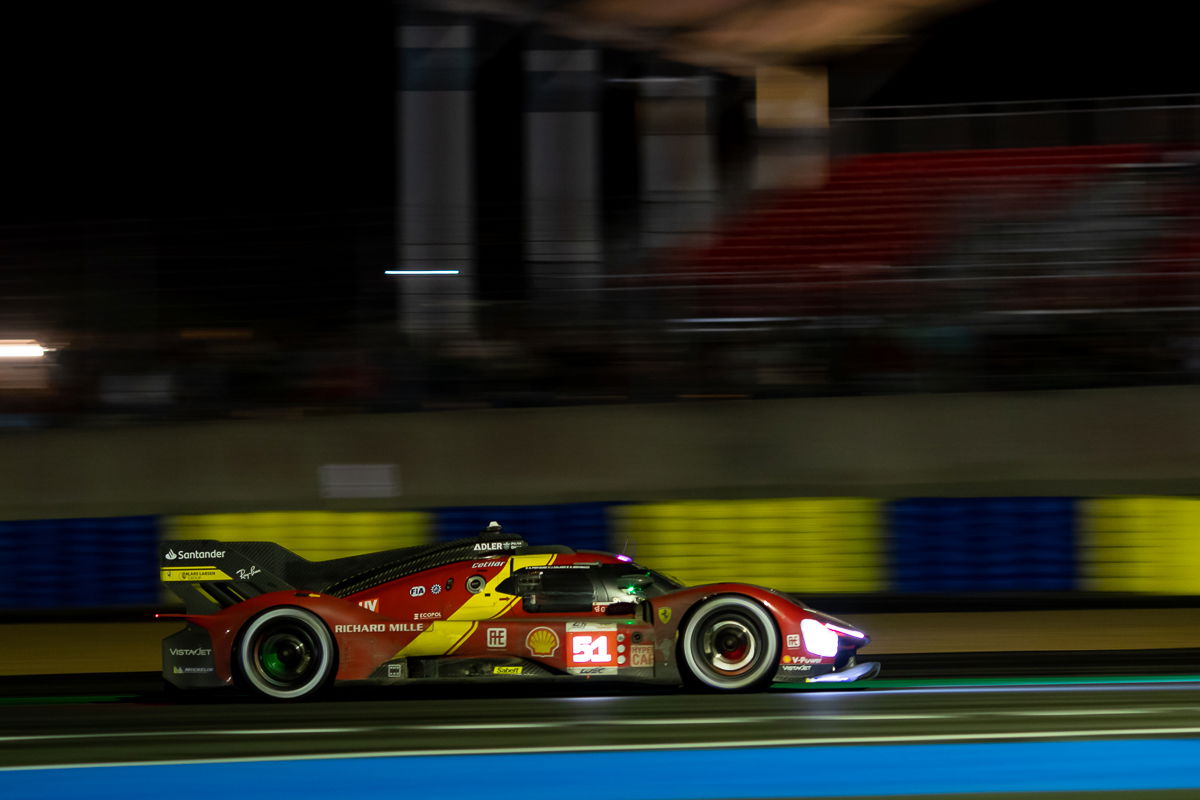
730 643
286 654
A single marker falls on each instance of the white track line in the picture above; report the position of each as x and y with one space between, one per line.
1095 712
471 726
880 717
721 745
547 724
144 734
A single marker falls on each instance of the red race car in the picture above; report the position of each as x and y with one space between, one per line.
492 606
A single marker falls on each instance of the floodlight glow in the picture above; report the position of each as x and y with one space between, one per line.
21 348
818 640
623 558
847 631
420 272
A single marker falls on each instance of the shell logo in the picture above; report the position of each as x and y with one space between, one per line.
542 642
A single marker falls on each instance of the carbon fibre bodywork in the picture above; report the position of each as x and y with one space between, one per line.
485 607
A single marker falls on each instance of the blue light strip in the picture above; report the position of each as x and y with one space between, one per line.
1088 766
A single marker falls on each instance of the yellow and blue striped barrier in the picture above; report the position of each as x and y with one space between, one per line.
982 544
315 535
1140 544
798 544
79 563
808 545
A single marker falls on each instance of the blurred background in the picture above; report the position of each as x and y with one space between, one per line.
894 297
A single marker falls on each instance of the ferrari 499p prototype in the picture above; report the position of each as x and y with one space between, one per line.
492 606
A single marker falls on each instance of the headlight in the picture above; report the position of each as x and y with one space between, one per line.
818 639
847 631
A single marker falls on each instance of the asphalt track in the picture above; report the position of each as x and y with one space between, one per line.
1125 724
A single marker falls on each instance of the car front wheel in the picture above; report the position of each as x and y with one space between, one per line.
730 643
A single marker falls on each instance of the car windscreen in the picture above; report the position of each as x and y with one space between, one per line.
634 580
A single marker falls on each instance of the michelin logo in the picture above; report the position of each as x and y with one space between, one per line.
190 555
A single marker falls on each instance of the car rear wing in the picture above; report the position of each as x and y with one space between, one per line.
208 575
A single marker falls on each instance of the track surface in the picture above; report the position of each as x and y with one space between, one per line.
37 734
126 719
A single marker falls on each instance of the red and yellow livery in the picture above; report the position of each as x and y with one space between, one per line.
492 606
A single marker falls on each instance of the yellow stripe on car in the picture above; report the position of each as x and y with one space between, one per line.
443 637
489 603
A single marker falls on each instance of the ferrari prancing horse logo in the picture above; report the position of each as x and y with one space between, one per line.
664 615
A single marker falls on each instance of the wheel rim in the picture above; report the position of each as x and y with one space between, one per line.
730 647
730 643
286 657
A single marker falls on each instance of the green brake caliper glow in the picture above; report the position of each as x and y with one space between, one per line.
270 660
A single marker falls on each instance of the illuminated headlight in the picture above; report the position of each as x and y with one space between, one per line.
818 639
847 631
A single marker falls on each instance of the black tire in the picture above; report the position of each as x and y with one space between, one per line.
731 644
286 653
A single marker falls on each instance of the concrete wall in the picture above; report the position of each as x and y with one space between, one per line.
1095 442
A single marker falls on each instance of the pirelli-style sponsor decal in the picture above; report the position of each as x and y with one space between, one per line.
179 574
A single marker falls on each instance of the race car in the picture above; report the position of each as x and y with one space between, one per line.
486 607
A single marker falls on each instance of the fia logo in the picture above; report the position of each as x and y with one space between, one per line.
416 591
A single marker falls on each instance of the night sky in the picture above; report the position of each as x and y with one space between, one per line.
1029 50
196 163
170 163
151 108
160 109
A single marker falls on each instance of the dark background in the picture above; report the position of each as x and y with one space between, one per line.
231 163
